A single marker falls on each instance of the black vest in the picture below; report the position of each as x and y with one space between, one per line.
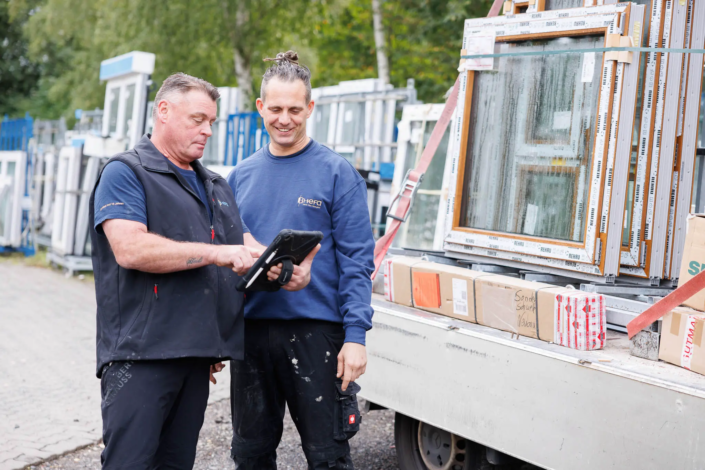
191 313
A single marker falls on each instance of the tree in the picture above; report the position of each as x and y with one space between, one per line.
18 74
380 43
424 40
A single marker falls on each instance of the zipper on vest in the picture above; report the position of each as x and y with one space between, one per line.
156 294
212 234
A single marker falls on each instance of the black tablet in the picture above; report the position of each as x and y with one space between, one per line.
289 247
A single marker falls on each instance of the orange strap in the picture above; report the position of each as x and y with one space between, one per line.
667 304
383 244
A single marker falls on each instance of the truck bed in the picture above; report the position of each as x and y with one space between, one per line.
543 403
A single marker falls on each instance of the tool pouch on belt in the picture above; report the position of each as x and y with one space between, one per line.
347 413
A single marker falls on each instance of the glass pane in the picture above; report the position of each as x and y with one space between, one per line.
322 119
530 141
629 209
11 170
210 153
353 123
630 204
421 224
5 208
701 132
420 227
412 148
129 105
561 4
114 100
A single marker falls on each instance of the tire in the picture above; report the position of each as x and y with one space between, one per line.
406 432
406 439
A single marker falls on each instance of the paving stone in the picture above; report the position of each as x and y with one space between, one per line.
12 465
49 394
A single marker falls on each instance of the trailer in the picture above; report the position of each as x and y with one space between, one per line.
472 397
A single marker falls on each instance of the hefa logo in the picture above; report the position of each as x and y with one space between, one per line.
315 203
695 267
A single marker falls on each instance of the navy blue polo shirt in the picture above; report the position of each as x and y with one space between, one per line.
119 183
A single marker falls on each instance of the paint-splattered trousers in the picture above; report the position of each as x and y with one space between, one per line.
153 412
294 363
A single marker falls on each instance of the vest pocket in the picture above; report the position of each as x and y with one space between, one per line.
134 333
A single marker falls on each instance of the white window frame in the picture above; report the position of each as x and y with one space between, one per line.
136 114
424 113
66 200
14 185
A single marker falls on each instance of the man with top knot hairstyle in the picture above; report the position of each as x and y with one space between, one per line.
304 347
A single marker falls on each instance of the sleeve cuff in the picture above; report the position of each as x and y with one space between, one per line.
355 334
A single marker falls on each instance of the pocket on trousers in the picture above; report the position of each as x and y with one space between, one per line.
347 412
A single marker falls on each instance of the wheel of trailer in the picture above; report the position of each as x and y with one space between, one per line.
421 446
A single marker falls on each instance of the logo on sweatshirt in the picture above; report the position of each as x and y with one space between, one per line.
316 204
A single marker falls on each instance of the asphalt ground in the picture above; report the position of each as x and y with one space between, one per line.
372 448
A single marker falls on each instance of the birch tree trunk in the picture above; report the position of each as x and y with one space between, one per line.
243 73
380 44
243 57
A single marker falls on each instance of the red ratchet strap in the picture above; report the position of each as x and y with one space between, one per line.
414 177
667 304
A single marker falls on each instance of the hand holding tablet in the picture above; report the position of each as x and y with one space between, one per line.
290 247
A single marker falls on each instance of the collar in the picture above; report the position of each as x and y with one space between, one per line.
152 159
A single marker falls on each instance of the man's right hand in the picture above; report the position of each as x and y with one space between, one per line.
238 257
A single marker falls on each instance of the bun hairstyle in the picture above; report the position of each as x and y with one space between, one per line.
286 68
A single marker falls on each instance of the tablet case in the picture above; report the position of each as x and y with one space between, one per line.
290 247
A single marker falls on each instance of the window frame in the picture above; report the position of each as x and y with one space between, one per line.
14 185
424 113
576 256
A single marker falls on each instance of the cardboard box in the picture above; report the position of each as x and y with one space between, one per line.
514 305
454 286
561 315
397 279
682 338
694 257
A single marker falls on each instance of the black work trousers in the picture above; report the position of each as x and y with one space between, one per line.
294 363
153 412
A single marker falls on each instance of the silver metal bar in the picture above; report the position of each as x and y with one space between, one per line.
624 290
622 159
627 305
547 278
690 136
362 97
668 142
532 267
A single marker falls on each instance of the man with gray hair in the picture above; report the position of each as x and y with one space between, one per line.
168 249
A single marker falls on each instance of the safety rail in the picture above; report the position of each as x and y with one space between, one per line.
245 135
15 133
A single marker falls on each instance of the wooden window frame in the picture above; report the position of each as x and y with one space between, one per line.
579 256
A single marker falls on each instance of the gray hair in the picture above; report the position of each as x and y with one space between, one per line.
182 83
287 69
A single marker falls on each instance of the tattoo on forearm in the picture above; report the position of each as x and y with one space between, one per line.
192 261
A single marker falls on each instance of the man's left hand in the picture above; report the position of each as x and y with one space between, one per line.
352 362
215 368
302 272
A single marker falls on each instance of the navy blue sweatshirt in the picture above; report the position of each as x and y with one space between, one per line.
314 189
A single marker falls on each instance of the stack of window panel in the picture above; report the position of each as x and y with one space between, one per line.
572 158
